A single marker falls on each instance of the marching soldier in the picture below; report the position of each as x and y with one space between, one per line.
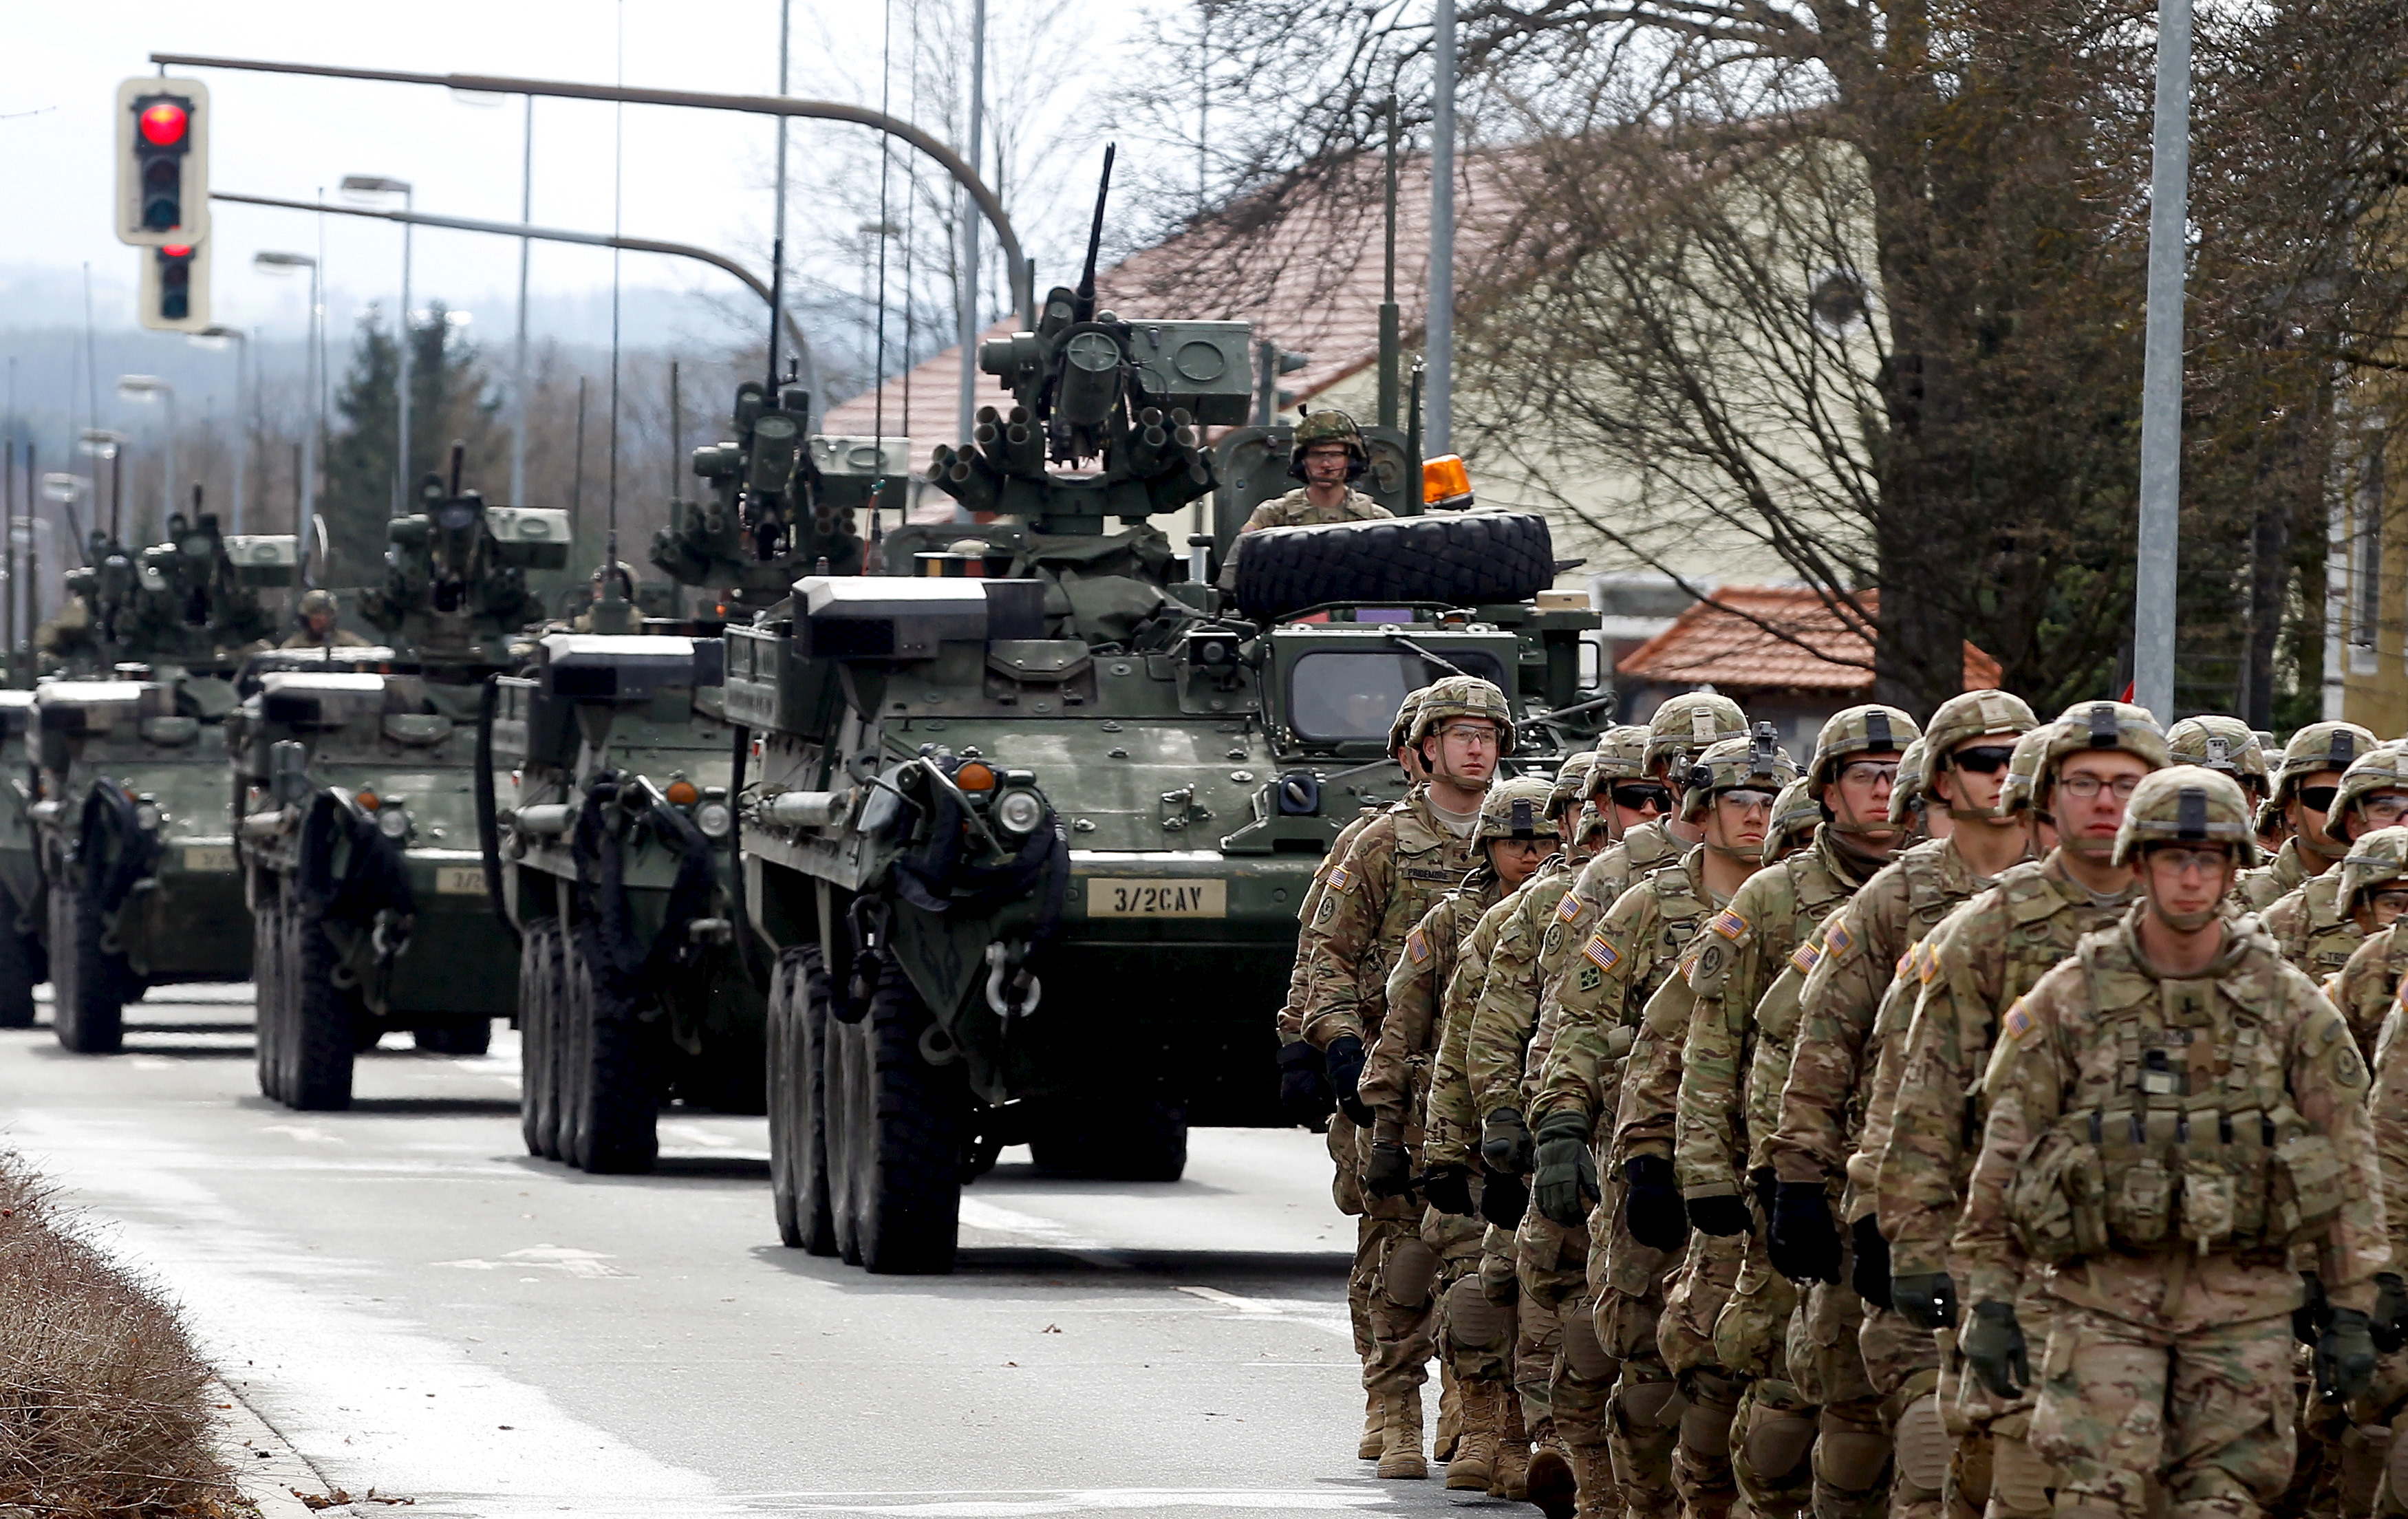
2314 925
2304 786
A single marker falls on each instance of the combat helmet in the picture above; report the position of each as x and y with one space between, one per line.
1571 783
1687 724
1462 696
2221 743
1796 815
1975 714
1911 791
1755 762
1401 732
2377 857
1328 426
2023 771
315 600
1621 754
2088 726
1517 808
2320 746
2384 768
2188 804
1869 729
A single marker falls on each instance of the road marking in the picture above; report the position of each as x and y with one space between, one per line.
978 1215
1028 1505
578 1263
1312 1315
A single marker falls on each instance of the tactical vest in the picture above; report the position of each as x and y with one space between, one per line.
2315 933
2040 924
2155 1153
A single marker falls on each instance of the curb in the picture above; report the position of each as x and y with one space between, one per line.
266 1468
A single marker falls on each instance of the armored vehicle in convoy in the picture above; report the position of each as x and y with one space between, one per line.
1035 809
355 777
22 964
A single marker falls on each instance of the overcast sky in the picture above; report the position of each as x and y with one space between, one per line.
690 176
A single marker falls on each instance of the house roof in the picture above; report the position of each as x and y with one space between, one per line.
1766 638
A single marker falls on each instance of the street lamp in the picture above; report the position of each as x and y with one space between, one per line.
105 443
146 389
215 338
284 263
368 187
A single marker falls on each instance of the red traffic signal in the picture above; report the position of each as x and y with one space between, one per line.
162 162
165 122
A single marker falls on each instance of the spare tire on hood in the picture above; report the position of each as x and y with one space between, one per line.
1459 558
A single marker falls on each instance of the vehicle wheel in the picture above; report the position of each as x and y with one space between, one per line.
1459 558
607 1080
798 1166
1143 1140
538 997
901 1177
323 1021
267 987
474 1035
785 1072
21 970
88 1007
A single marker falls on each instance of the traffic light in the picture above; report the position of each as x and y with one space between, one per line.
175 293
162 162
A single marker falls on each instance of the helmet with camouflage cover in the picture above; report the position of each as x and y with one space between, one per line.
1451 696
2373 860
2384 768
2188 804
1912 790
316 600
1796 815
1571 782
1328 426
2320 746
2220 743
1401 732
1756 763
2088 726
1517 808
1688 723
2023 769
1869 729
1621 755
1975 714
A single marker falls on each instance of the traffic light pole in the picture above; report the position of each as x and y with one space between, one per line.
989 204
518 229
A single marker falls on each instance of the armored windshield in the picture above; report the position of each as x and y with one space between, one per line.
1336 696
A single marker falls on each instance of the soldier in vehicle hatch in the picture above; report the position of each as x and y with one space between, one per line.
1327 454
318 629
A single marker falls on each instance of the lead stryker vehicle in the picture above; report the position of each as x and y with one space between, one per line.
1031 828
128 814
355 779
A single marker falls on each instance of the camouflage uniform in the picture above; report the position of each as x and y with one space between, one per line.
2313 931
2386 1401
2165 1364
2262 887
1297 510
2320 746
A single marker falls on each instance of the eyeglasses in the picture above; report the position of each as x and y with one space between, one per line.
2318 798
2087 786
1869 772
2185 861
1635 796
2388 901
2387 809
1749 800
1983 759
1470 733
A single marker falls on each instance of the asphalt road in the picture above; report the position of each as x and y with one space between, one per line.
419 1308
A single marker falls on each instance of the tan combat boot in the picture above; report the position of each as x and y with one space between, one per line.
1450 1414
1374 1430
1599 1496
1551 1485
1474 1462
1400 1449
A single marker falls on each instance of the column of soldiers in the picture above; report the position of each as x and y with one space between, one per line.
1974 1123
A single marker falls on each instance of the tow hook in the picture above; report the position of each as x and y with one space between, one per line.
1012 992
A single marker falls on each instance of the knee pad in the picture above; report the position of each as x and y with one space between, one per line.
1406 1275
2395 1466
1777 1443
2020 1479
1850 1460
1924 1446
2365 1451
1643 1406
1706 1427
1475 1321
1586 1358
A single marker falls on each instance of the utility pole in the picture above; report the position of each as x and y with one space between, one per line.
1438 403
777 243
969 313
2162 381
518 364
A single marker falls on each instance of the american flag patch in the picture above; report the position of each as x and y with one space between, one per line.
1804 956
1570 907
1339 878
1930 962
2017 1024
1600 953
1416 947
1838 937
1729 924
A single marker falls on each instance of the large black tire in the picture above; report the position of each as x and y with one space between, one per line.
893 1130
798 1170
1459 558
323 1020
783 1054
20 969
611 1102
539 997
1144 1139
268 996
465 1036
89 985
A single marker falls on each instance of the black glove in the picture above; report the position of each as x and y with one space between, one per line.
1505 1143
1448 1189
2308 1319
1994 1348
1870 1275
1802 1242
1344 1063
1927 1300
1725 1214
1304 1091
1390 1172
1564 1182
1503 1200
1653 1208
2344 1356
2390 1323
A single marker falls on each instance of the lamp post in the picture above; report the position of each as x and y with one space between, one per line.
104 444
364 187
146 389
283 263
217 337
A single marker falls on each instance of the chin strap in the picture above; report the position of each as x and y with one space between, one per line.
2185 923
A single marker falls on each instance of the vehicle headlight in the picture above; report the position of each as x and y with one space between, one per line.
713 819
147 817
392 822
1019 811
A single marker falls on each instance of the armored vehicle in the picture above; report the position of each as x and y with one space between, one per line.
1031 826
355 774
191 602
610 854
22 964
